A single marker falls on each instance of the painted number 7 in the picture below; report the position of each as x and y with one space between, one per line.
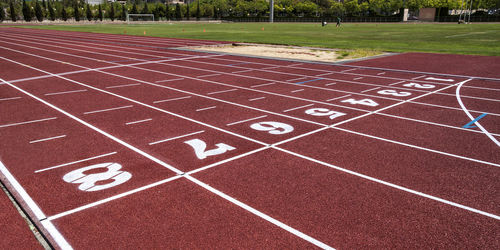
200 147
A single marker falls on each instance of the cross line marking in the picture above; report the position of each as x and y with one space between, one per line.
74 162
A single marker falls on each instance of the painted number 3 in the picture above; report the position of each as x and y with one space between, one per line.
113 176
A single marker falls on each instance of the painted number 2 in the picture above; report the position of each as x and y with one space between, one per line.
89 182
324 112
200 147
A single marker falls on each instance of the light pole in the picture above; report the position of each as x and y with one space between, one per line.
271 11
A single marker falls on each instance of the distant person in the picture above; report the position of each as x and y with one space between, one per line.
338 21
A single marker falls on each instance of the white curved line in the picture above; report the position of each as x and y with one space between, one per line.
472 117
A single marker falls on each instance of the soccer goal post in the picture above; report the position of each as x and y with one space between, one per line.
140 17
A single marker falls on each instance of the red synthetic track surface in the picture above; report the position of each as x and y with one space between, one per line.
15 231
114 141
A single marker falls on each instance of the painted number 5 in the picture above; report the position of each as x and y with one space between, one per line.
324 112
88 182
274 128
199 147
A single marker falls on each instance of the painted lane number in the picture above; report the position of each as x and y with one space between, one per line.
324 112
200 147
274 128
419 86
393 92
366 102
89 182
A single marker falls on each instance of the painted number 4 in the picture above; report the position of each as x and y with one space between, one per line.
200 147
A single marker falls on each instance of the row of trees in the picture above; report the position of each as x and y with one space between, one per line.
78 9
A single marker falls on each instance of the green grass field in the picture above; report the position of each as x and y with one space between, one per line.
474 39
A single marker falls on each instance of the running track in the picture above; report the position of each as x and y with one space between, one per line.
111 141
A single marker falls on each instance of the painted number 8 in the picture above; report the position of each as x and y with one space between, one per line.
88 181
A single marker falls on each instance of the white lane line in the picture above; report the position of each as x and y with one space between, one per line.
48 139
358 78
211 107
177 137
20 190
242 71
347 70
396 83
251 119
298 90
168 80
272 67
260 85
418 147
56 235
121 86
110 109
66 92
161 163
393 185
27 122
10 98
260 214
369 89
382 73
418 77
222 91
145 120
209 75
340 97
298 107
434 123
74 162
472 117
173 99
332 83
324 74
93 204
255 99
294 79
227 160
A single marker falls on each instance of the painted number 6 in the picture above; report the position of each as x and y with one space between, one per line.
274 128
88 181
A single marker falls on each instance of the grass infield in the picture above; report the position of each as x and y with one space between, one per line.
452 38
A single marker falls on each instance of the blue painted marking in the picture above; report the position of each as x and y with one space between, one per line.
469 125
309 81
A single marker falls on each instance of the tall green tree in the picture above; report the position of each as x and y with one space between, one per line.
124 13
187 12
198 10
76 12
13 14
52 13
178 13
99 13
38 11
134 9
26 12
89 13
112 12
2 14
145 9
64 14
